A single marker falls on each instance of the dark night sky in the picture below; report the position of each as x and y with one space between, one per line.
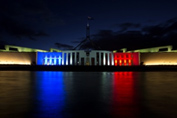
117 23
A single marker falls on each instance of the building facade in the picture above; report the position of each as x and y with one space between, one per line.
91 58
15 55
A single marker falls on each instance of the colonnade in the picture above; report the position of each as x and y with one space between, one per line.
93 58
102 58
71 58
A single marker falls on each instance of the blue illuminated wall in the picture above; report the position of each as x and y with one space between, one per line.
49 58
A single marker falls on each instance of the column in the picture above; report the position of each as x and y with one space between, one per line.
63 58
55 60
50 60
112 54
45 60
99 58
104 58
71 59
67 58
59 60
108 58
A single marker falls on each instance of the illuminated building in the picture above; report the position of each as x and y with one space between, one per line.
94 58
17 58
126 59
15 55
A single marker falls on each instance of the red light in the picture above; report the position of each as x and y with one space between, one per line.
116 62
129 62
124 95
126 58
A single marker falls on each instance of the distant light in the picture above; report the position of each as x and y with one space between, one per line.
14 63
120 61
160 64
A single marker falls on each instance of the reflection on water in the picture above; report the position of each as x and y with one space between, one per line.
15 93
124 100
48 94
161 93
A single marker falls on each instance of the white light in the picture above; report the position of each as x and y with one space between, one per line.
14 63
160 64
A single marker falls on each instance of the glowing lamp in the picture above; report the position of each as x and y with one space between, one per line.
116 62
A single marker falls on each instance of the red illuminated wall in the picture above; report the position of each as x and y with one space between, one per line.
126 59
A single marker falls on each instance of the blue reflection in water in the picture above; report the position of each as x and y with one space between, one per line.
50 94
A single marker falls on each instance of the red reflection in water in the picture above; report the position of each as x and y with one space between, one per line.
124 102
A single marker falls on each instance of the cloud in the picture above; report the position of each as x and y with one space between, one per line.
23 19
17 18
76 41
148 36
163 29
172 20
38 10
128 25
63 46
17 29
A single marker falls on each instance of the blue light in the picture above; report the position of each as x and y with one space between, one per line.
55 60
45 60
50 94
49 58
59 60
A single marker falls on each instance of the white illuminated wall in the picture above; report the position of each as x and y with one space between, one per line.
91 59
69 57
17 58
101 57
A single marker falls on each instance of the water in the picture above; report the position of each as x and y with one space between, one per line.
26 94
